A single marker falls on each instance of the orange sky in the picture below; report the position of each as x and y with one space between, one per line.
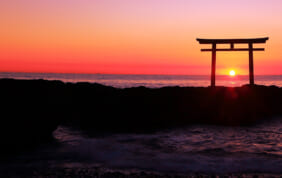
135 37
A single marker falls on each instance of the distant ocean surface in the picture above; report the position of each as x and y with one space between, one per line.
151 81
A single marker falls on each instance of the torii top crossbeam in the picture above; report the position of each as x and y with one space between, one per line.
249 41
226 41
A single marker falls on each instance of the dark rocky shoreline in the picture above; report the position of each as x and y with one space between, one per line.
32 109
98 172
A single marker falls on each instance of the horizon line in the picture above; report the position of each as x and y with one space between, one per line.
135 74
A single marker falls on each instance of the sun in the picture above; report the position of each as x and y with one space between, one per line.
232 73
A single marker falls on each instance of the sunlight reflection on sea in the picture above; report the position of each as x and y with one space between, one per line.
151 81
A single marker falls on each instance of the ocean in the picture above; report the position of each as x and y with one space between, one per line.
193 149
151 81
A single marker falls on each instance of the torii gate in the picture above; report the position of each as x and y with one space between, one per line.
250 41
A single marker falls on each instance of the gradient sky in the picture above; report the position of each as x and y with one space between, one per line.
135 36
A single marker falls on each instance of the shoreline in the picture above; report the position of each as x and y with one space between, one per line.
113 173
39 106
33 109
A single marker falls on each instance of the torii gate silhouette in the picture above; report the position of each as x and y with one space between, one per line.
249 41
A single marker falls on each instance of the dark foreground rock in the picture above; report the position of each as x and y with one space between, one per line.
97 172
32 109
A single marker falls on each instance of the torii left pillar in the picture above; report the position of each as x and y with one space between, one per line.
213 68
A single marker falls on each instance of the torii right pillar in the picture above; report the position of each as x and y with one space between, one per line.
251 64
250 48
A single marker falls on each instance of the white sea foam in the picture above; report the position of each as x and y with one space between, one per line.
210 149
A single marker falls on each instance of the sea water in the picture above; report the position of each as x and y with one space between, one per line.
213 149
193 149
151 81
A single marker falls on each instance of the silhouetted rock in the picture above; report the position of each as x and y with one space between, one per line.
32 109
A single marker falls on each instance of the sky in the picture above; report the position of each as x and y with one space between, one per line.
136 36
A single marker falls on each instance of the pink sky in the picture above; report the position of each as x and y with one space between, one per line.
134 36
